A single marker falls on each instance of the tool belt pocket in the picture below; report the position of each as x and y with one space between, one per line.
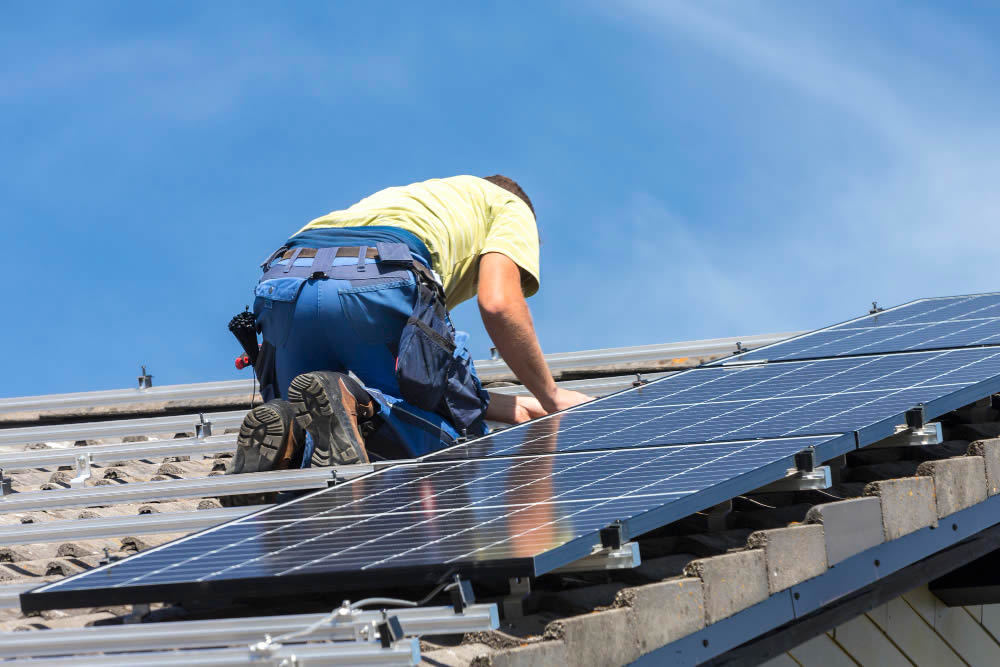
434 373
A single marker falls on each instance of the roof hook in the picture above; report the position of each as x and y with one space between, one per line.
145 380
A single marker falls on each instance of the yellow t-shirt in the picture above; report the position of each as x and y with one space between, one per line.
458 219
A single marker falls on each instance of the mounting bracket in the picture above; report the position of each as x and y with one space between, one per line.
83 472
202 429
797 480
513 602
622 557
905 436
805 476
145 380
390 630
462 595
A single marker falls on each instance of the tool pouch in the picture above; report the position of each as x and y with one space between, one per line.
434 371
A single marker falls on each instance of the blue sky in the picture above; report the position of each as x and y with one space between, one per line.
699 169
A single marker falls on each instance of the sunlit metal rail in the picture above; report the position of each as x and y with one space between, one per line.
137 492
119 526
642 355
120 428
131 451
183 635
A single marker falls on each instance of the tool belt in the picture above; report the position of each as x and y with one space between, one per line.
434 372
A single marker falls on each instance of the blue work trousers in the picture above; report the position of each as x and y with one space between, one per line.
334 325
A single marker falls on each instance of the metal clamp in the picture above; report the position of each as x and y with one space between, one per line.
513 602
462 595
83 472
623 557
906 436
145 380
805 476
202 428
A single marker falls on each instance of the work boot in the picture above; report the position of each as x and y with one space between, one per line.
329 406
269 439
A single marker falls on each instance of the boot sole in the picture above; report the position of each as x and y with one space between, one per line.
262 437
320 410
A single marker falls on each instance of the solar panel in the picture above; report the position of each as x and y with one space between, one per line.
949 322
756 401
419 522
531 498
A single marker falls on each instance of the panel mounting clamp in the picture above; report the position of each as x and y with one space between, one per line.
202 428
805 476
83 473
390 630
461 595
145 379
613 535
916 416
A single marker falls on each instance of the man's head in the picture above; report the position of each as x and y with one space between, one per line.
510 185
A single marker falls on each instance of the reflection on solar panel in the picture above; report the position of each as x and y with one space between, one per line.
419 522
966 321
757 401
532 498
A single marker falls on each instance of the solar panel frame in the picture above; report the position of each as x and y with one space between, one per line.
792 349
603 471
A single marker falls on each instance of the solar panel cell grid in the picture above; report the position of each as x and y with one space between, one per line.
447 514
928 324
756 401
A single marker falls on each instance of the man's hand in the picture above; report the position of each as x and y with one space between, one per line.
508 322
509 409
567 399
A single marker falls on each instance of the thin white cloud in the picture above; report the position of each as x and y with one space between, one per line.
912 217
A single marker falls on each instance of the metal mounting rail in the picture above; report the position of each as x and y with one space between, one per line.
118 428
220 485
642 355
403 652
41 458
130 451
89 399
415 621
487 369
117 526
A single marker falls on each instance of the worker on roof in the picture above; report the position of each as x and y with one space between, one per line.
367 290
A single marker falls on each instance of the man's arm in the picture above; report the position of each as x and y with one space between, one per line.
508 321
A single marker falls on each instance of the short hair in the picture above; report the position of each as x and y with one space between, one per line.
510 185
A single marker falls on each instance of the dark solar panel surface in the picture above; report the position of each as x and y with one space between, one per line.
753 401
929 324
418 517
